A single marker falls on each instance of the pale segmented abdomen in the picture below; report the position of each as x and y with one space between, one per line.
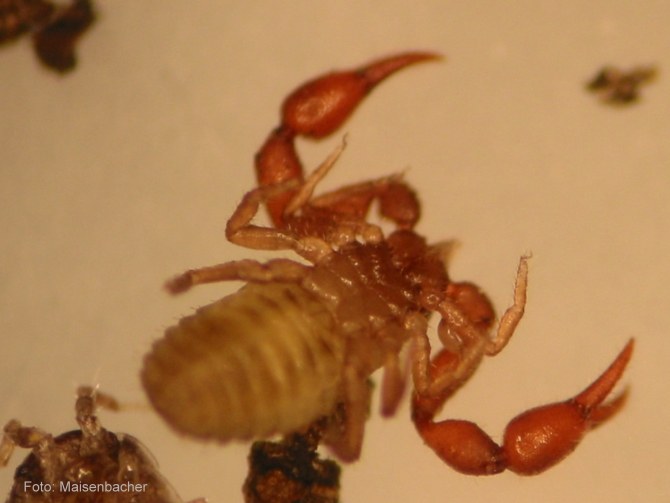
267 359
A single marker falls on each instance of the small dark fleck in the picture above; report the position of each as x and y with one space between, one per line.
620 87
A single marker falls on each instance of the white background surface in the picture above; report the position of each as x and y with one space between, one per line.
124 172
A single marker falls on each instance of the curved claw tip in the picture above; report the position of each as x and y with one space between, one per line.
595 393
378 70
605 411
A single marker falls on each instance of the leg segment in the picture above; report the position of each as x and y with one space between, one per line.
533 441
393 384
511 318
239 270
467 316
345 432
398 362
315 225
397 201
277 162
22 436
241 231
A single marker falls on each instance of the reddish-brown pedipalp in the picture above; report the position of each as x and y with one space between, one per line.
533 441
316 109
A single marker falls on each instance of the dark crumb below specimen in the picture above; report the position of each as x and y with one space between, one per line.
290 471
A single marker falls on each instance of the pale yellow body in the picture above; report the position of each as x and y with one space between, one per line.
267 359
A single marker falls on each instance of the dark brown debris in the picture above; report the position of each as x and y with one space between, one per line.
621 87
290 471
55 28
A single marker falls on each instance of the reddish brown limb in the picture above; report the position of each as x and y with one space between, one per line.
603 412
241 231
397 201
315 226
277 162
349 205
306 191
316 109
533 441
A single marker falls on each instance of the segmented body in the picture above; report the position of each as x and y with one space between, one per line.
261 361
270 358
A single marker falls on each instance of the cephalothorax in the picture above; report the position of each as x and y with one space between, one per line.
299 342
89 465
